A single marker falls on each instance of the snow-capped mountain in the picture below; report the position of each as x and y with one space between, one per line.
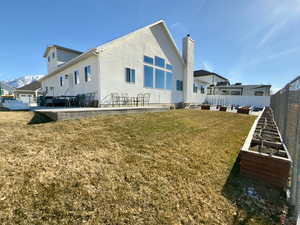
24 80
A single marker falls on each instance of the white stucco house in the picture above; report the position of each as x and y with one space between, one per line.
144 61
203 79
212 83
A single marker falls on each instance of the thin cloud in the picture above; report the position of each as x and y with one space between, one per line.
280 13
238 71
207 66
275 28
178 27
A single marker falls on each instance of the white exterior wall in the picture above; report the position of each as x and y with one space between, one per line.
129 52
210 79
245 91
65 56
69 87
259 101
52 64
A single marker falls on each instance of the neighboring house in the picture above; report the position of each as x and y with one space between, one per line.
144 61
204 79
5 89
244 90
29 93
215 84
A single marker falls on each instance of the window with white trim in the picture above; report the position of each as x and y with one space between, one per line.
130 75
87 73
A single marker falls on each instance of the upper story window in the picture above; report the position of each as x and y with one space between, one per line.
160 62
61 80
130 75
87 73
169 67
76 77
49 58
179 85
148 60
53 55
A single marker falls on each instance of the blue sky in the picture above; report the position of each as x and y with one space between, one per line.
251 41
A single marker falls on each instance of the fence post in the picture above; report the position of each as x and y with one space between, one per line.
297 163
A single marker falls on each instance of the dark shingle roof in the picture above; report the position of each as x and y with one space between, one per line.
33 86
201 73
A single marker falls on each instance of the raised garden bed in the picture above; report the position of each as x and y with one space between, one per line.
264 156
223 108
243 110
205 107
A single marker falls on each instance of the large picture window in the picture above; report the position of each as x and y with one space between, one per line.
158 73
148 76
169 67
160 62
169 81
148 59
159 78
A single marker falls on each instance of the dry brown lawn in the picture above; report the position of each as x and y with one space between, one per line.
151 168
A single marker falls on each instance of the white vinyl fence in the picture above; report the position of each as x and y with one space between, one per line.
258 101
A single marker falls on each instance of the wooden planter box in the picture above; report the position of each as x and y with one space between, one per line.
205 107
223 108
265 160
243 110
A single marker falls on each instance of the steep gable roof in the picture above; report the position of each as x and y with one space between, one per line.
158 23
95 50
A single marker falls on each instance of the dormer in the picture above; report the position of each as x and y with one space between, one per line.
57 55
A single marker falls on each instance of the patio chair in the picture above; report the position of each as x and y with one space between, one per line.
147 98
140 99
115 99
125 99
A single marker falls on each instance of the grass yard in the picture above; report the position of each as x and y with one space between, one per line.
153 168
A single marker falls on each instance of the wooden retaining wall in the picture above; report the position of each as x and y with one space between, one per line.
272 169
